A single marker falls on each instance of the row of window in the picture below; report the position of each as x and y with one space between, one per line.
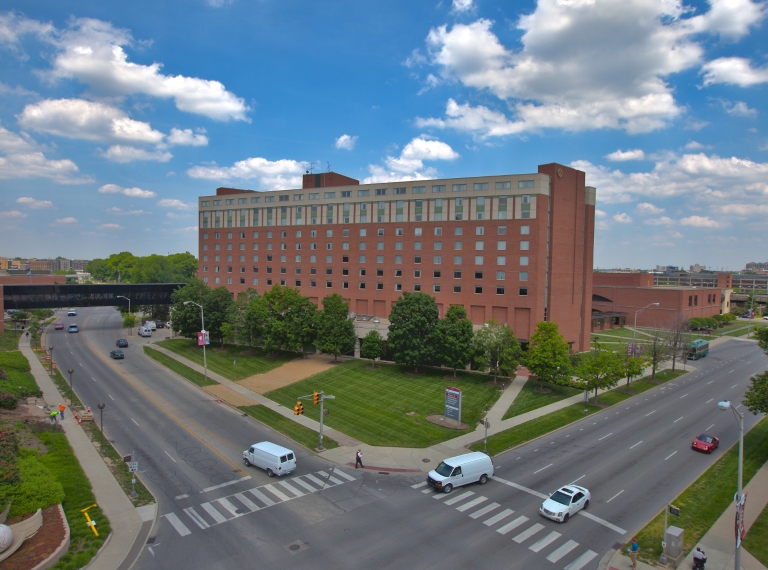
436 188
417 259
363 232
380 246
417 273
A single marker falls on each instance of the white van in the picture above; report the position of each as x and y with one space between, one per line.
461 470
274 459
144 331
151 325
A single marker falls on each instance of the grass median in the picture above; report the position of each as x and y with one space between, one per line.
709 496
529 399
297 432
756 541
181 369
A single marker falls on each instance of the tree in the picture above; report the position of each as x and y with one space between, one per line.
335 331
679 334
235 327
601 369
756 396
20 317
634 366
761 335
215 303
413 321
373 346
288 321
453 338
496 348
129 321
657 350
547 355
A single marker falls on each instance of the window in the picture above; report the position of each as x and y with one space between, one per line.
361 285
457 288
398 231
398 286
328 284
398 191
283 270
379 286
398 259
298 197
379 273
297 259
379 259
457 274
218 279
417 245
230 201
344 245
525 230
346 193
458 230
523 276
459 187
312 282
269 270
205 268
478 289
419 189
523 260
695 300
363 193
417 260
499 290
457 245
398 246
503 185
478 260
205 203
255 258
255 281
479 245
362 259
255 200
217 246
398 272
297 271
381 191
284 198
523 292
481 186
478 274
362 232
269 198
312 258
329 271
345 271
313 270
501 246
436 288
417 287
205 247
345 284
328 195
480 230
525 245
229 247
380 232
525 184
362 272
438 188
314 196
437 273
438 231
437 260
501 275
438 245
457 260
297 283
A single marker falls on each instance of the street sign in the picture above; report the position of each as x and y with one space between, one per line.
630 348
740 530
453 403
133 466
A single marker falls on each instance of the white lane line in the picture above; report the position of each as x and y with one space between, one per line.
603 522
427 490
677 420
418 485
176 523
81 364
581 561
470 504
179 497
316 481
497 517
653 412
439 496
247 502
528 533
459 498
638 443
292 489
277 493
733 386
616 495
134 421
683 396
670 455
546 541
730 371
579 479
602 438
710 427
196 518
227 484
110 395
710 382
169 455
261 497
94 379
520 487
708 401
484 511
562 551
511 526
543 468
215 515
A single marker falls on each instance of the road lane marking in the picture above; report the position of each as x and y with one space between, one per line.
710 427
683 396
602 438
616 495
134 421
581 561
459 498
670 455
733 386
169 455
247 502
710 382
653 412
330 478
110 395
546 541
311 489
638 443
511 526
262 497
81 365
708 401
470 504
292 489
179 497
543 468
418 485
730 371
227 484
562 551
276 492
341 473
215 515
520 487
196 518
579 479
678 419
176 523
229 507
526 534
496 518
94 379
603 522
484 511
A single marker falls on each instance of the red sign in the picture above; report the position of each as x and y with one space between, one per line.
740 530
200 339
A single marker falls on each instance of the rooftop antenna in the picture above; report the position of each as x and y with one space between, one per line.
311 167
329 166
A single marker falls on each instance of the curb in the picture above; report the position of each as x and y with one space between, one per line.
62 549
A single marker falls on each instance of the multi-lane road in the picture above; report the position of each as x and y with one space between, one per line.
215 513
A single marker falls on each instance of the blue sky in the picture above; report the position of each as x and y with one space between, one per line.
115 117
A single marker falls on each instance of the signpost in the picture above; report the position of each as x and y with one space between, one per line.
453 403
740 530
133 467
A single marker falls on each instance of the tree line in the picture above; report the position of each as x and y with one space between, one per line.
173 268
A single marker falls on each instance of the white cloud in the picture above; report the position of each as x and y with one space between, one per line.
622 218
410 164
648 209
8 214
123 154
625 155
346 142
122 212
734 71
15 144
272 175
34 204
600 214
13 27
132 192
110 227
65 221
556 79
175 216
23 159
81 119
745 210
740 109
187 137
662 221
701 222
176 204
693 145
461 6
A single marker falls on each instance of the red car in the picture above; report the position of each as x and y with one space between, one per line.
59 326
706 443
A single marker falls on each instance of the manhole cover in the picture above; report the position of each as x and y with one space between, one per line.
425 460
294 547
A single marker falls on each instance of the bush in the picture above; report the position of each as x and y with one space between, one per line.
37 489
8 401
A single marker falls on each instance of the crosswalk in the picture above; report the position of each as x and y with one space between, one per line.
502 520
224 509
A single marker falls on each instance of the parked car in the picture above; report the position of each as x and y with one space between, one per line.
72 313
706 443
273 458
145 331
59 326
122 343
461 470
565 502
117 354
160 324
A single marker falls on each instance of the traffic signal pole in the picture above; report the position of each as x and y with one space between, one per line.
317 398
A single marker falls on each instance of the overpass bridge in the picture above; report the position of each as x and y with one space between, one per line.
55 296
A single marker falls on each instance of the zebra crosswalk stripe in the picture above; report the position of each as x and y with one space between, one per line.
307 486
292 489
459 498
485 510
341 473
526 534
176 523
330 478
512 526
232 509
261 497
496 518
196 518
276 492
546 541
562 551
247 502
216 515
581 561
418 485
316 481
470 504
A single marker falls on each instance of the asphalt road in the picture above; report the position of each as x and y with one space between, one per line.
633 457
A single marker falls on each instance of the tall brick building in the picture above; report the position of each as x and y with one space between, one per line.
517 248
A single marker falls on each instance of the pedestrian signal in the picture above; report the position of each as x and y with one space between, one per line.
316 398
298 409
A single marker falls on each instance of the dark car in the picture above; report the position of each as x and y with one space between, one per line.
117 354
122 343
59 326
160 324
706 443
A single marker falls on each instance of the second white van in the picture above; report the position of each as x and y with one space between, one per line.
461 470
145 331
274 459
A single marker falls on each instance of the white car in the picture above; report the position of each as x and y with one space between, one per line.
565 502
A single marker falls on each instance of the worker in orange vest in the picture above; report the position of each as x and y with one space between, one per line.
61 411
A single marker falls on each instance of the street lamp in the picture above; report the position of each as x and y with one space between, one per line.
129 309
202 320
724 406
101 413
50 349
634 330
70 386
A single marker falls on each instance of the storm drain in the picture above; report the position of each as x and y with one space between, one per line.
295 547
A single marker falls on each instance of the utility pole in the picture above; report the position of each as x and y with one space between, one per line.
317 398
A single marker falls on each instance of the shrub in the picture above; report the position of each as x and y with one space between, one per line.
3 375
8 401
38 489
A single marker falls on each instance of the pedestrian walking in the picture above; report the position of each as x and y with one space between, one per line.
53 415
633 548
27 335
359 459
61 412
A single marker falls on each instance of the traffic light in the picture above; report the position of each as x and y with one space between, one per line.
316 398
298 409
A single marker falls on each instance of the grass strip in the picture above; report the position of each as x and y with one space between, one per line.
62 463
233 362
181 369
9 339
534 428
709 496
297 432
756 541
529 399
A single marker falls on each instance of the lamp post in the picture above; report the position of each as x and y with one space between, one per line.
634 329
101 414
129 309
202 320
71 371
50 349
724 406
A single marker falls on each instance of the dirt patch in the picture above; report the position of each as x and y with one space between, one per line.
442 421
288 373
229 395
36 549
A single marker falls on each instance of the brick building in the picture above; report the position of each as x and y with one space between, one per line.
517 248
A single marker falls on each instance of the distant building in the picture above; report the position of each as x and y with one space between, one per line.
756 267
696 268
667 268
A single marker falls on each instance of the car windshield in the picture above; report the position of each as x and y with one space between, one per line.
562 498
705 438
444 469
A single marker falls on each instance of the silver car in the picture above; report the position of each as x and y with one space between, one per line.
565 502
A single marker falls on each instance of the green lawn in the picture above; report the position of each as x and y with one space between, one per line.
9 340
709 496
18 378
756 541
233 362
372 405
622 332
297 432
528 399
179 368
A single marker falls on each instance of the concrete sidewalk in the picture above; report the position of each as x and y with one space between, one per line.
130 526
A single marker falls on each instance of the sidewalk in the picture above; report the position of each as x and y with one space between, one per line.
130 526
